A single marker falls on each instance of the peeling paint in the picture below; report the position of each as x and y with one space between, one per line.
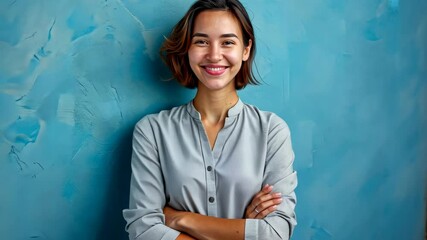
23 131
65 111
13 156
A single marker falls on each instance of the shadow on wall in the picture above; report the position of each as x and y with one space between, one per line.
160 83
162 92
117 196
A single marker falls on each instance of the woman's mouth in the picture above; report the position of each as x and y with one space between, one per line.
215 70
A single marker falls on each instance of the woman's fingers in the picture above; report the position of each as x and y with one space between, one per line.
265 212
256 199
264 198
265 190
267 207
263 203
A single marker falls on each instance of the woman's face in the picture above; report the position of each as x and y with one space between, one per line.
217 50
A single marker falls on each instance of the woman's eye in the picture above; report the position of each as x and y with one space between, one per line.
227 43
200 42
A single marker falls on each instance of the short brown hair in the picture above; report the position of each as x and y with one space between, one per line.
174 50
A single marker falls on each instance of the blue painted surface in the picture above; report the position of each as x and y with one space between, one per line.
348 76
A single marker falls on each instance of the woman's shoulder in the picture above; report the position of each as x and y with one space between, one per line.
264 116
163 117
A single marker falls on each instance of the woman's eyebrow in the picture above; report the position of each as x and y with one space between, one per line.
229 35
225 35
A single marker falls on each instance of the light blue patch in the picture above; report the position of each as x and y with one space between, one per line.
82 32
81 23
68 190
319 233
394 4
23 131
10 31
370 32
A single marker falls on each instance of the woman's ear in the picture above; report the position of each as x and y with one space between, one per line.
247 50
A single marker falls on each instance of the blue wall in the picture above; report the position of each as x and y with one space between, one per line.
348 76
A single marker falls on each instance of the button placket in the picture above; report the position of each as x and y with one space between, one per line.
212 208
210 174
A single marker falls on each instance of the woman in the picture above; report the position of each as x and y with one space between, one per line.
215 168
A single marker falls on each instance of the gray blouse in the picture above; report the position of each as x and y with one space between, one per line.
172 163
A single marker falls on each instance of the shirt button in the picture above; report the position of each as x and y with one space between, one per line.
211 199
209 168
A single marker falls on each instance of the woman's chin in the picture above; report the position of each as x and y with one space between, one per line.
216 85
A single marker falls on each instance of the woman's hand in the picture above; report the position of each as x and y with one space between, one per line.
263 203
172 217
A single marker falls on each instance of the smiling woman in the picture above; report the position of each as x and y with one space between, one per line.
215 168
181 38
217 50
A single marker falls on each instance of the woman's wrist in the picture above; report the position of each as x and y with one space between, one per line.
183 221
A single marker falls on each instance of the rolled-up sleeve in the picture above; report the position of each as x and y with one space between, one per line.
145 218
279 172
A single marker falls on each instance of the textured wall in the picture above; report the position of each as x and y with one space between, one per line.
348 76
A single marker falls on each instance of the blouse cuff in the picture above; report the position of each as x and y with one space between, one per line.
171 235
251 229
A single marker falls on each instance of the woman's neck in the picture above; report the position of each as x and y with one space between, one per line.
213 106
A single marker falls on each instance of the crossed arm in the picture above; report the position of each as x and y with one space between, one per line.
197 226
146 218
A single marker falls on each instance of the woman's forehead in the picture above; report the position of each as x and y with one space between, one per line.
217 21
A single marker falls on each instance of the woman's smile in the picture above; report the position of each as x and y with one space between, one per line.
215 70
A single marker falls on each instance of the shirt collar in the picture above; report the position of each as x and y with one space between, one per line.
232 112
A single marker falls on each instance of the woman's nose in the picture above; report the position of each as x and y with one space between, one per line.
214 54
